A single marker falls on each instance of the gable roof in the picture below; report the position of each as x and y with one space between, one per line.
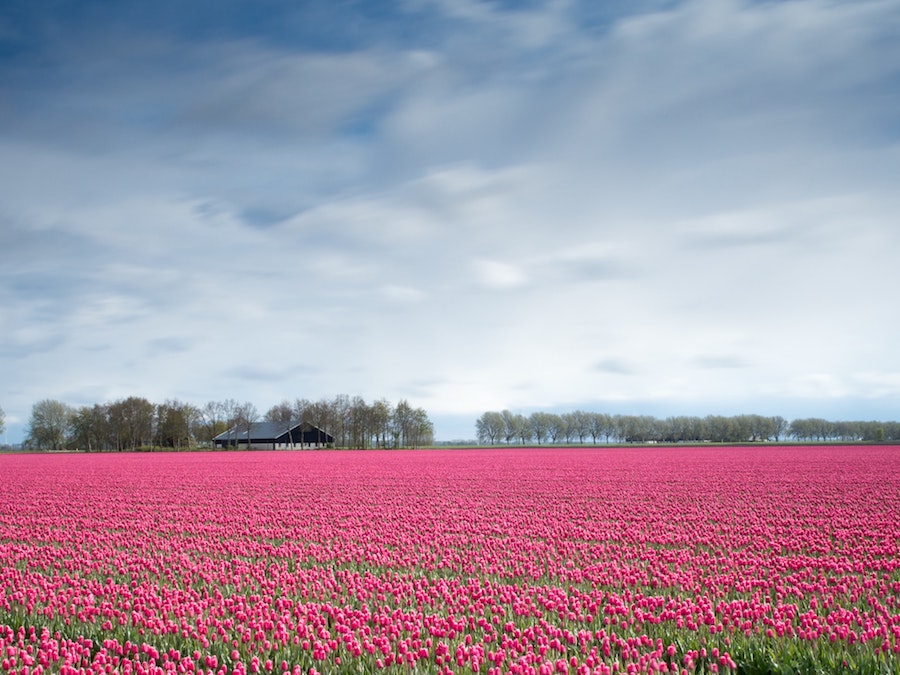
263 431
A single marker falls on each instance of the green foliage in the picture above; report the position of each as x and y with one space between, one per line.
50 425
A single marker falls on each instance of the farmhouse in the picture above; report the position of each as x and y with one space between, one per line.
274 436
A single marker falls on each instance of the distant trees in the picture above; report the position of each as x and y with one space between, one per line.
540 427
2 421
354 423
817 429
411 427
135 423
176 424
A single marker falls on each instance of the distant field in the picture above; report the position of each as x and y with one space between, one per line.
663 559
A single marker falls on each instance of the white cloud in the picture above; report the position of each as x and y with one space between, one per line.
499 275
525 29
402 294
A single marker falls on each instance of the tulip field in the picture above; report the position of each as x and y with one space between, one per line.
707 559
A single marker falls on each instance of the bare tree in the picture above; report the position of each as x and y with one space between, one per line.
301 411
246 415
211 421
229 409
282 413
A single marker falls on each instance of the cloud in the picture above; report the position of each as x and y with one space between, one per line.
22 342
266 92
172 344
588 262
270 374
498 275
717 362
615 366
402 294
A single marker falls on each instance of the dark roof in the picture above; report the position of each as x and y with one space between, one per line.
262 431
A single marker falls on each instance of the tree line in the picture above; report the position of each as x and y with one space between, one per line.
581 427
135 423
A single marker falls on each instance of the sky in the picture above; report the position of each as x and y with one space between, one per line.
631 206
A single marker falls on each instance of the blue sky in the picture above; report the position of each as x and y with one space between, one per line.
638 207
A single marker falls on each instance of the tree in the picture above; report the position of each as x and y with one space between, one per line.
358 422
246 415
50 425
229 408
281 413
522 427
302 407
509 426
570 426
540 425
422 430
175 422
321 413
556 427
401 422
410 427
2 421
381 412
90 428
131 422
612 427
489 427
580 424
211 421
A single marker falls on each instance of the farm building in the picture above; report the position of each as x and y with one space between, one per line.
274 436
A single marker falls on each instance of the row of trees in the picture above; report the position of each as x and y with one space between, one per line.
357 424
581 427
134 422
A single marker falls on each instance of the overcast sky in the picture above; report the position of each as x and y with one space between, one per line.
650 207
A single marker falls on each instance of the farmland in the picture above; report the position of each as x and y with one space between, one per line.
709 559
